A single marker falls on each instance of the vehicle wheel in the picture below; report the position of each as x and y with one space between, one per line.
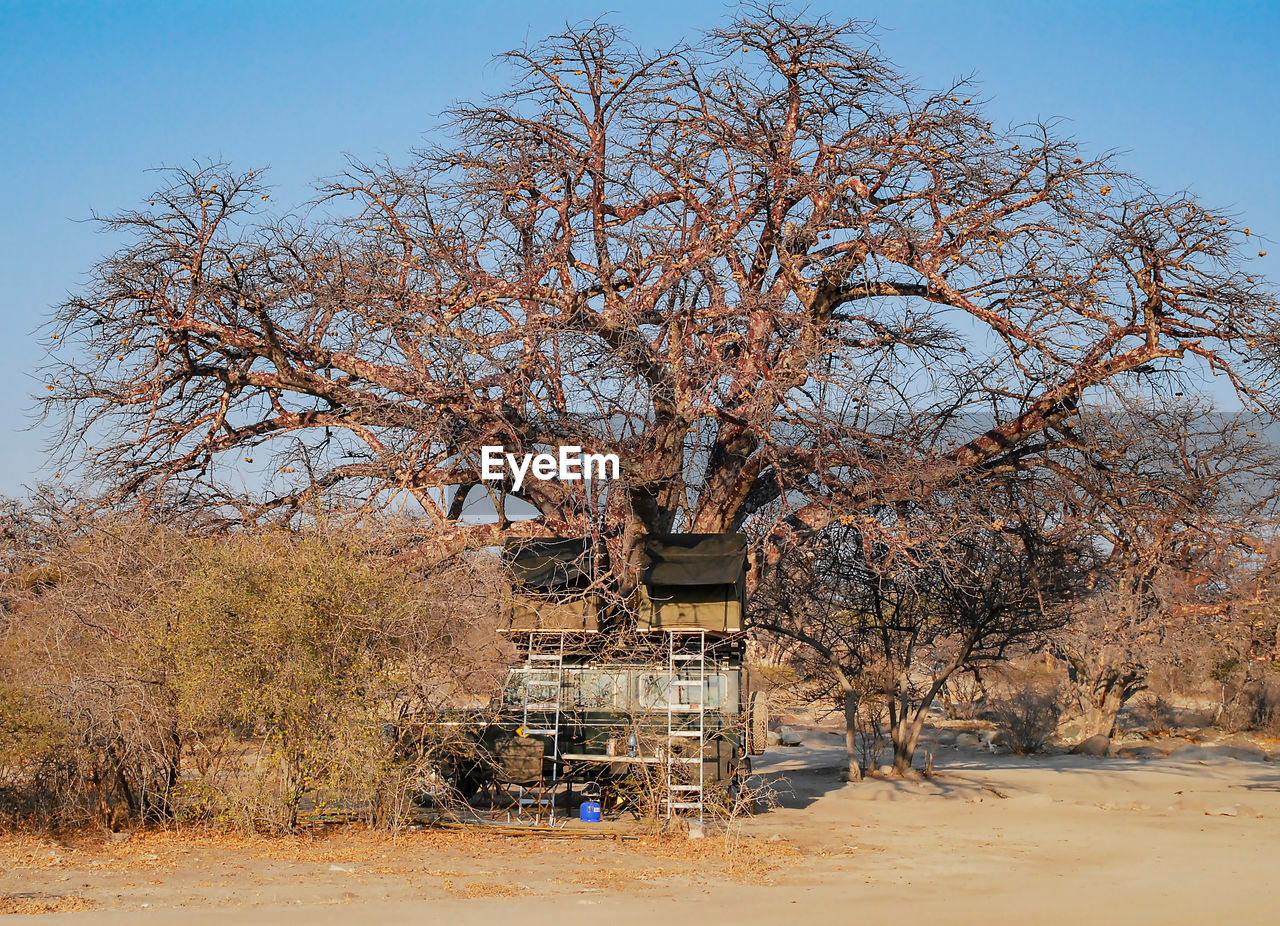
758 723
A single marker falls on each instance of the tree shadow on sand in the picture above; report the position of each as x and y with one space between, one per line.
798 777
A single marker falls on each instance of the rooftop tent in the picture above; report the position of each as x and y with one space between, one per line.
693 582
552 582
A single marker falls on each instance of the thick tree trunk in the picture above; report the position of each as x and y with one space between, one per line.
1099 713
1101 689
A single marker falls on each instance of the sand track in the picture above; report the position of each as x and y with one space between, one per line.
1188 838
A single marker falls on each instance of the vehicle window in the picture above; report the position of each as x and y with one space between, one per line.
513 689
713 691
655 689
537 686
600 691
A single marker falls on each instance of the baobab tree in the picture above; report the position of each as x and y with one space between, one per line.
779 281
1178 501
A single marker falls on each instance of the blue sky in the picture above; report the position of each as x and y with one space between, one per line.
92 95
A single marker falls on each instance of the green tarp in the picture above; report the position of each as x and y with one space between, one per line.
695 559
550 564
689 582
693 582
552 577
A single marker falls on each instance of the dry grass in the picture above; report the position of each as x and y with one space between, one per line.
486 889
742 859
612 878
152 850
465 864
29 904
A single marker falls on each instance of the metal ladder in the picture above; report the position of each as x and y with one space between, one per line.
682 793
537 663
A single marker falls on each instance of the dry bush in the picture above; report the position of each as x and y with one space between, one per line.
1186 677
1026 704
963 696
1161 717
1027 718
233 680
642 791
872 731
27 740
748 798
88 648
1251 703
286 640
344 646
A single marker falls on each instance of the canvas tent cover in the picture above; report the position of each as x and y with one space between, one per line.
696 559
693 582
559 563
551 578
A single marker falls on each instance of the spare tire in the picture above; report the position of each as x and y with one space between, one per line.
757 725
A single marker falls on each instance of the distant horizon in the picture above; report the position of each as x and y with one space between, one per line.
102 95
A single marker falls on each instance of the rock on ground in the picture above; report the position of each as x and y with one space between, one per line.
790 736
1096 746
1141 752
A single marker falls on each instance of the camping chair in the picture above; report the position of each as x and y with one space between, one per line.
521 761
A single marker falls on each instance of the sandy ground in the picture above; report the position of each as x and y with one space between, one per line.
1187 838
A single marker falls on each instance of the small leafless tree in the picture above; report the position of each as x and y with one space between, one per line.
895 610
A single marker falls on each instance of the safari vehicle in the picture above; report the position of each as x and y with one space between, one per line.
604 697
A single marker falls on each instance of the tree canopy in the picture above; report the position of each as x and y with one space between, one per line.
781 281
